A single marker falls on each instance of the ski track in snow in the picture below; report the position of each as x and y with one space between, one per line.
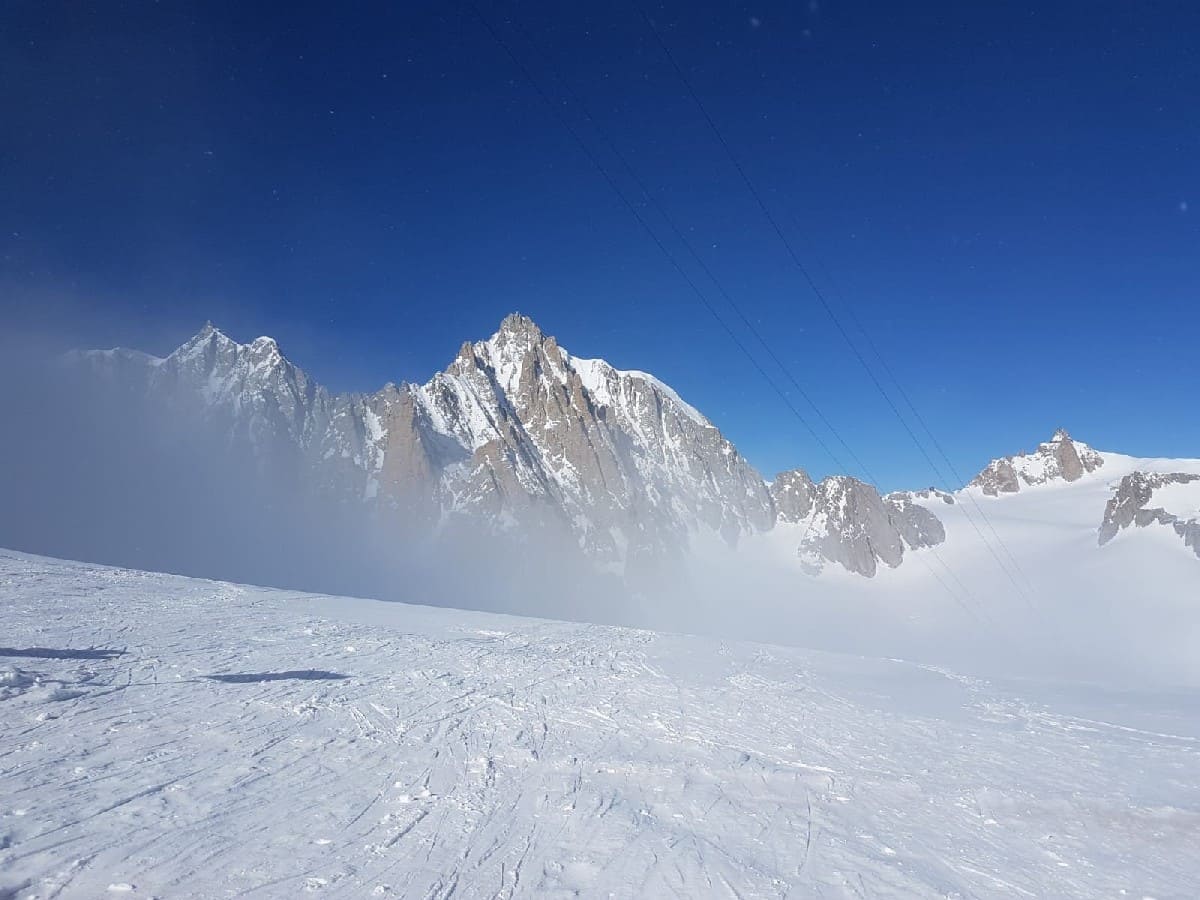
353 748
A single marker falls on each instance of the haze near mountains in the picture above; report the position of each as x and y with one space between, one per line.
517 435
523 478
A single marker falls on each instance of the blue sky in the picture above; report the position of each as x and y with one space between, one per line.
1005 195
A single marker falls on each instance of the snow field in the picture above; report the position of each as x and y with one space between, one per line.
162 736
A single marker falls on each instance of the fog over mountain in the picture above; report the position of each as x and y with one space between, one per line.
522 478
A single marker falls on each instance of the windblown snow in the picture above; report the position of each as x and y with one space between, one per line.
161 736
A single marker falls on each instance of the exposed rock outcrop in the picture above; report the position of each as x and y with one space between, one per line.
1058 459
929 493
794 494
847 522
918 526
1130 506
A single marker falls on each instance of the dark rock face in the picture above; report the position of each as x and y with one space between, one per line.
917 526
998 478
848 523
1130 506
1059 458
929 493
794 494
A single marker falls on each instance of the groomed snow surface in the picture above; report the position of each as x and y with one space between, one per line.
168 737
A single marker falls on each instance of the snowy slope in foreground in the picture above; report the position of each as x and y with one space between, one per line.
180 738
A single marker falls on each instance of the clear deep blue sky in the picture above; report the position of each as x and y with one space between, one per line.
1000 193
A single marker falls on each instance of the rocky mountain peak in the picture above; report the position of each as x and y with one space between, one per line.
208 350
208 334
1059 459
212 353
264 344
793 493
847 522
516 324
517 351
518 435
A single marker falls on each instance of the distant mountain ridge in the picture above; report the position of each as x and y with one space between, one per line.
515 432
517 435
1137 486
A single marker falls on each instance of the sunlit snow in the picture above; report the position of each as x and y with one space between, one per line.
169 737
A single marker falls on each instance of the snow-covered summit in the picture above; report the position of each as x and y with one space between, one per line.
1059 459
518 436
515 431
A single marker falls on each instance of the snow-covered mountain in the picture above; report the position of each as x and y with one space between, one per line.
1142 492
1059 458
515 433
519 437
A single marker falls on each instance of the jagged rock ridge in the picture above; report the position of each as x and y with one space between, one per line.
518 435
515 433
847 522
1130 506
1058 459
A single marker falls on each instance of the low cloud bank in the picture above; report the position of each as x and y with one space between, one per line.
92 473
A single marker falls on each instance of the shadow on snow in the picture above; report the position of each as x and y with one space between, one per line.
295 675
55 653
